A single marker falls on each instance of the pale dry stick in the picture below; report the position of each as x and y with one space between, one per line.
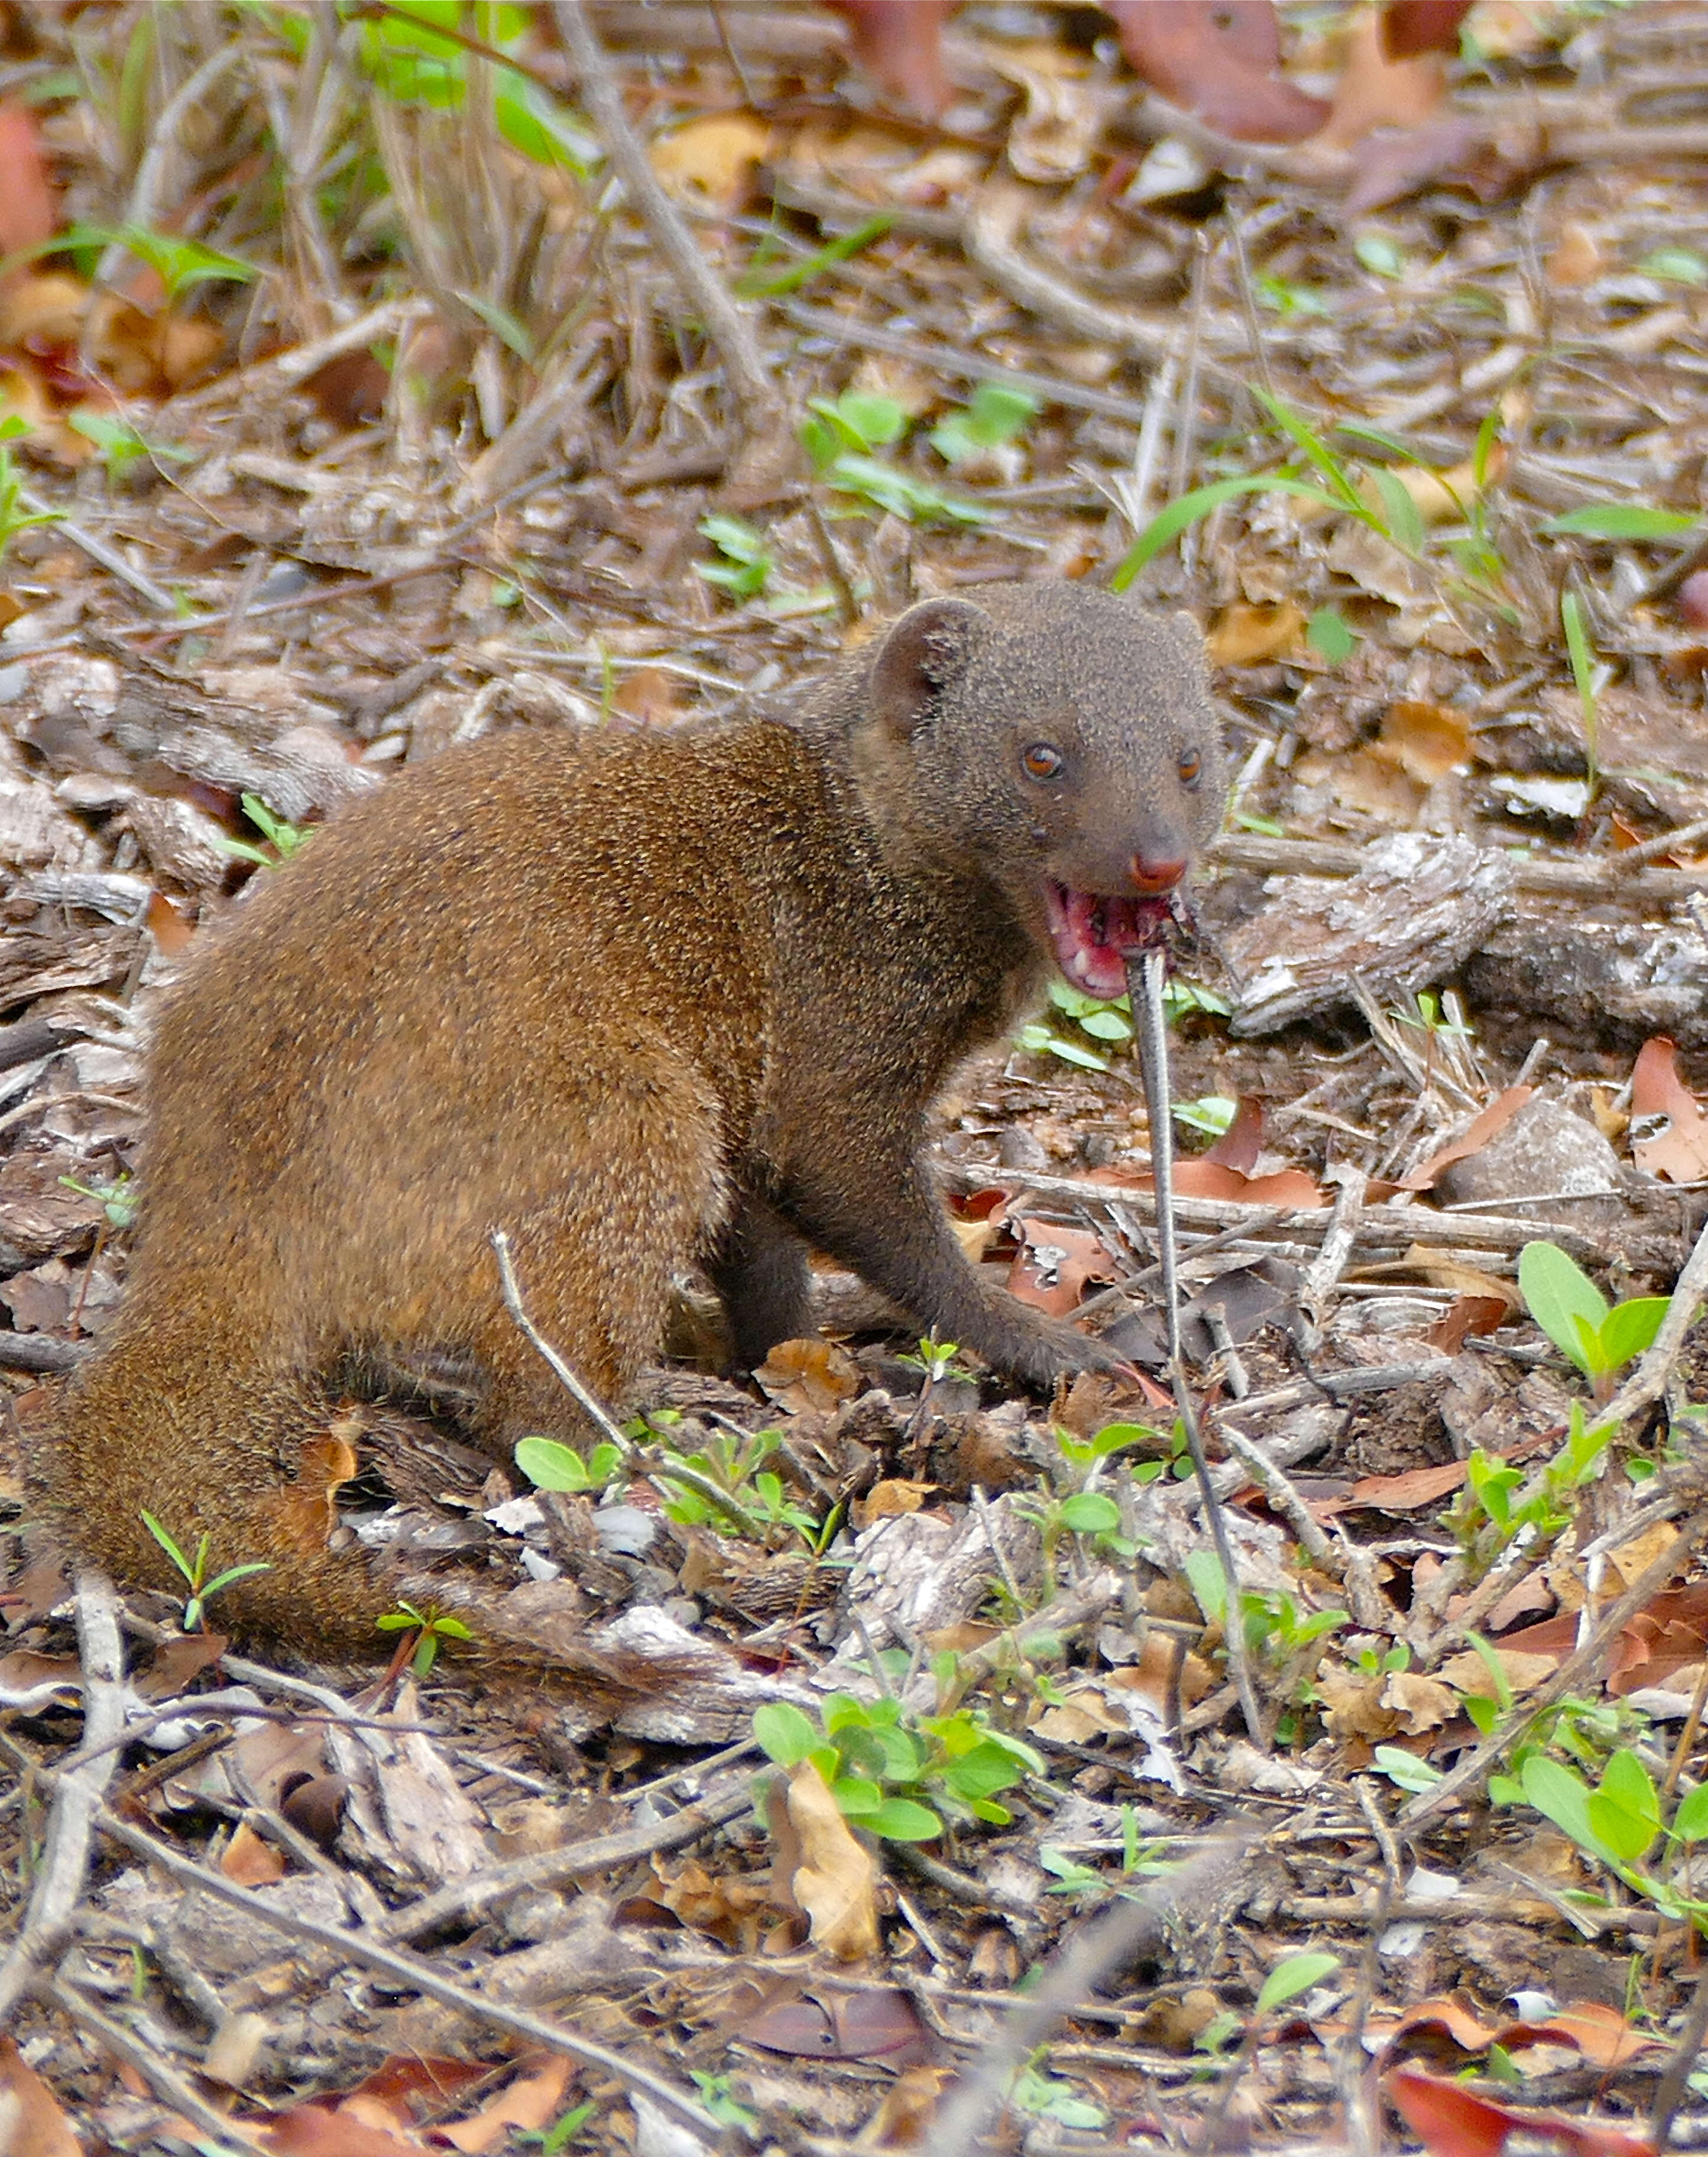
1146 980
537 1341
1344 1561
98 551
165 140
256 386
1633 858
1083 1604
1351 2067
1331 1261
1500 1580
412 1971
1380 1224
303 222
1470 1773
1649 1382
1186 428
77 1797
171 2088
467 1899
751 386
964 2123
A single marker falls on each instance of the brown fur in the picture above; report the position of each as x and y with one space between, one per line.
640 1000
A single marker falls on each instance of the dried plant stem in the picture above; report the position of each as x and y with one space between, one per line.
750 385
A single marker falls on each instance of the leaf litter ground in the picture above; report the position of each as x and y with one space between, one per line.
347 525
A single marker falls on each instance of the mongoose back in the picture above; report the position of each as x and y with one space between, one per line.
643 1001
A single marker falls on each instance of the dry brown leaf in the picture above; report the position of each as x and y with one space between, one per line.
1575 258
835 1880
529 2103
1375 91
798 1375
1427 741
890 1499
1409 26
36 2125
1468 1674
712 162
28 212
305 1512
1418 1703
1246 636
1054 1263
1678 1149
249 1861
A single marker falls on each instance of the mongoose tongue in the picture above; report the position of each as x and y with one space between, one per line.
1094 936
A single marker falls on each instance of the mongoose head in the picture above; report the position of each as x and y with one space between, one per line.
1057 742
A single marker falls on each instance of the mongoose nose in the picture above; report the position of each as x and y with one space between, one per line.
1151 878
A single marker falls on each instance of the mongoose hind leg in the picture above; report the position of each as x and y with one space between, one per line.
760 1270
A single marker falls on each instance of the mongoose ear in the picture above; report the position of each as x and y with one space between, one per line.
921 654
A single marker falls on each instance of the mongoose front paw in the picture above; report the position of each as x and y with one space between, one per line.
1052 1349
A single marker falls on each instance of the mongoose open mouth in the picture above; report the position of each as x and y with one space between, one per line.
1095 936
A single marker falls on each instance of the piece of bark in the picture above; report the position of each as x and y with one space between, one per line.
1411 917
1594 977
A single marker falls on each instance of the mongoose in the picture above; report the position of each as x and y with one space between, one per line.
643 1001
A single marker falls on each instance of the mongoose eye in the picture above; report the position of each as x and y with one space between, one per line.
1191 767
1043 761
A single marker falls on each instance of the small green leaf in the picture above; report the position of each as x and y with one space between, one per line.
1562 1795
856 1796
1557 1292
1170 522
1678 265
1327 634
1210 1113
1402 519
1622 520
1379 254
1690 1820
1090 1513
1630 1327
1298 1973
550 1466
902 1820
783 1733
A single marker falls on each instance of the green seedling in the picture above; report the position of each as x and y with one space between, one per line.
898 1775
1588 675
14 518
1500 1506
1141 1860
759 281
1286 1638
180 265
996 414
195 1573
1290 300
746 564
122 449
420 55
1108 1019
1211 1114
550 2140
839 435
1599 1337
433 1628
1379 254
1372 494
117 1198
283 839
1619 1821
938 1359
1330 636
722 2102
1042 2095
1298 1973
1620 520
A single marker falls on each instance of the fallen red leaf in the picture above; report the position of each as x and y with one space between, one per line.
1053 1265
900 43
1452 2121
1678 1150
1498 1113
1409 26
28 214
1218 59
1242 1142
